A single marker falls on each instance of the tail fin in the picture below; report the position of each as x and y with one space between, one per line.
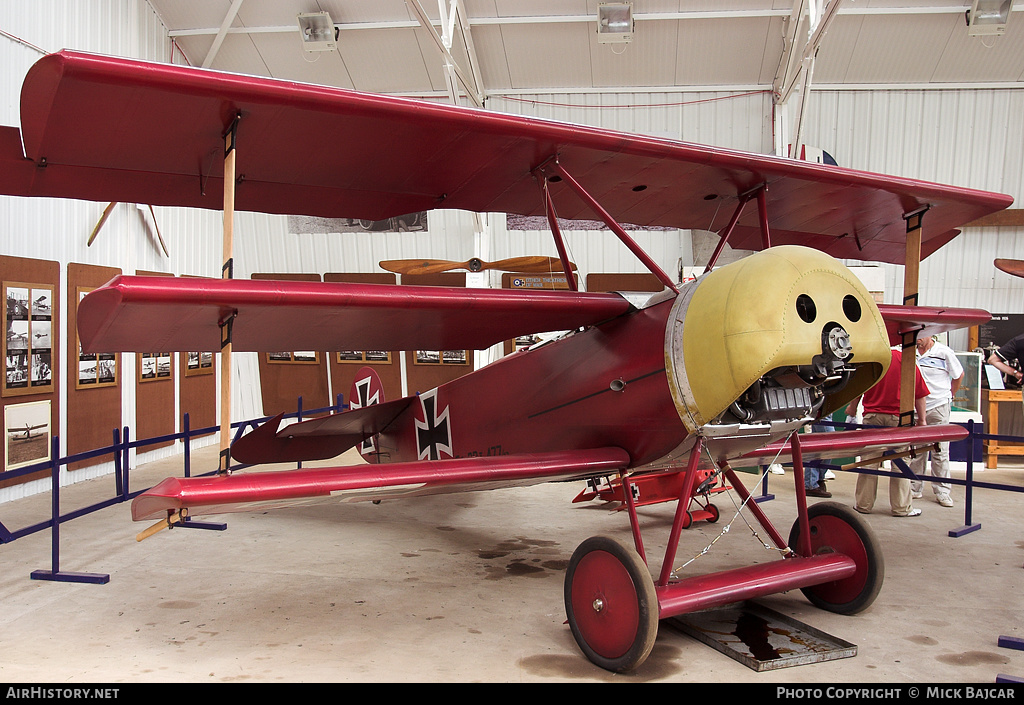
367 390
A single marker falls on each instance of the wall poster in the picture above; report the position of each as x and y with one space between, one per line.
198 363
377 356
303 358
95 369
28 434
154 367
441 357
28 343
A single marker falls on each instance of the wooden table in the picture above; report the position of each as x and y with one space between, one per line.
991 398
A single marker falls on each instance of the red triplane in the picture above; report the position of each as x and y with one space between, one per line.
664 392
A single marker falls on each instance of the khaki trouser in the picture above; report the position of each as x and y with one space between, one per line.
867 485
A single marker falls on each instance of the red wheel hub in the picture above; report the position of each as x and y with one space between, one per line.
605 604
829 532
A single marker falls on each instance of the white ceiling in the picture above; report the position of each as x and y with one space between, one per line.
551 45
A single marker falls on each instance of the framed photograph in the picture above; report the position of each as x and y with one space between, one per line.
28 343
28 433
300 358
198 363
441 357
95 369
154 367
375 356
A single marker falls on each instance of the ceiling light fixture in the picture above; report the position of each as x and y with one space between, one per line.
317 31
615 22
988 17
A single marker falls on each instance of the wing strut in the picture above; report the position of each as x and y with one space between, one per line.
724 237
556 232
651 265
911 273
227 272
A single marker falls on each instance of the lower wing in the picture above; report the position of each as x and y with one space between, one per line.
215 494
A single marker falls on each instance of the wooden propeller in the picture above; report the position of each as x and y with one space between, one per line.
526 265
1014 267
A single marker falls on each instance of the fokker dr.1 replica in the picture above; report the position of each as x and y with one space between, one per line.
684 384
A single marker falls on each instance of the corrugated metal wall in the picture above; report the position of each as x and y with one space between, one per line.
58 230
971 138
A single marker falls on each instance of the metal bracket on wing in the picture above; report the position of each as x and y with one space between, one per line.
744 198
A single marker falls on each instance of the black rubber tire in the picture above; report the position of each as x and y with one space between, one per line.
611 604
838 528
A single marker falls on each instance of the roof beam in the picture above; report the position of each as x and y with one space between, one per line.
222 32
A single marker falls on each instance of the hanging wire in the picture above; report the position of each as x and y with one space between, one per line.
739 514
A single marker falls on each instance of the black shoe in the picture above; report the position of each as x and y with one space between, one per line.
819 491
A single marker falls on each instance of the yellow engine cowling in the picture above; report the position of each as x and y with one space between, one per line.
785 331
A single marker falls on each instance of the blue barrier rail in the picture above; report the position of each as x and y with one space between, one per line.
119 451
121 446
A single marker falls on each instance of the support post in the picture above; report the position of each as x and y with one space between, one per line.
227 272
911 275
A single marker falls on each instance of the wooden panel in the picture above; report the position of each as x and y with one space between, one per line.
154 398
424 377
197 390
343 373
623 282
30 271
282 383
94 411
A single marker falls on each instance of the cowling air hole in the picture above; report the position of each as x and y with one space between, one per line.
805 308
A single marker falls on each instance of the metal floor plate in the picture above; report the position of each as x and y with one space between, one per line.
762 639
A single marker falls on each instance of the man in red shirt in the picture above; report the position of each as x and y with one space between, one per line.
882 408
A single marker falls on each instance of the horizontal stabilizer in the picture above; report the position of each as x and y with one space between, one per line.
151 314
863 442
316 439
928 320
217 493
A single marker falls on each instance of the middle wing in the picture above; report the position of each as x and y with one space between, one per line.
131 314
216 494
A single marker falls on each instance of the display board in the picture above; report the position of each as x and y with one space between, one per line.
94 379
154 390
32 382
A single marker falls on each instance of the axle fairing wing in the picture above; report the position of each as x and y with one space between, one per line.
864 442
132 313
156 136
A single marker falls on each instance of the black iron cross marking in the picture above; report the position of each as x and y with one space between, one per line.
363 391
433 434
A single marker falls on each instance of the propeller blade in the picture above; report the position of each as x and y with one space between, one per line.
103 219
1013 267
526 265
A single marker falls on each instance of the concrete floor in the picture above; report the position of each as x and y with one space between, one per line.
468 587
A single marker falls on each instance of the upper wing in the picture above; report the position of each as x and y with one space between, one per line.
928 320
215 493
155 134
174 314
866 441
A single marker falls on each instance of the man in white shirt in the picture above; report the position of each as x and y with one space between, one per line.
943 372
